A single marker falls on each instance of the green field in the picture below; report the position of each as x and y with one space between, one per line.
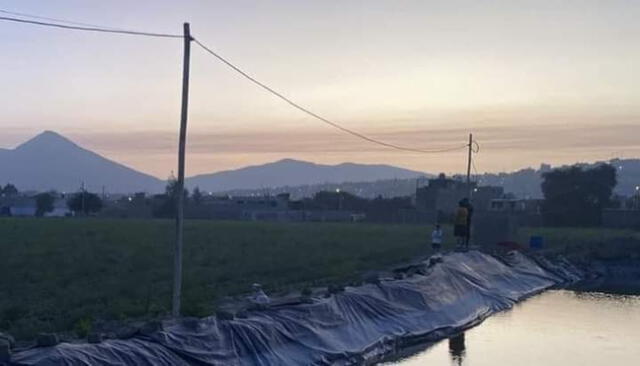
591 243
66 274
63 274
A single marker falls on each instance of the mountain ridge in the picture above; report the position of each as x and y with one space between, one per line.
50 160
291 172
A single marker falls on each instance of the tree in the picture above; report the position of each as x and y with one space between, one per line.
165 205
196 196
44 203
575 196
85 202
172 188
9 190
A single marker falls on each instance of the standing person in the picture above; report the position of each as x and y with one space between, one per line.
436 238
460 224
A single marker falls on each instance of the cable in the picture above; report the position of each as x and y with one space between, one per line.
473 164
25 15
92 29
318 117
475 147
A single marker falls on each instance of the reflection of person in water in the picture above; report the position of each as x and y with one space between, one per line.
457 349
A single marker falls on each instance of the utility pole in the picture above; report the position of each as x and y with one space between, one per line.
469 166
177 256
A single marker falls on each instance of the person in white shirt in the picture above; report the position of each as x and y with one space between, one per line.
436 238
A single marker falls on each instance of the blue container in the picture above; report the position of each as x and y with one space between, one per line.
536 242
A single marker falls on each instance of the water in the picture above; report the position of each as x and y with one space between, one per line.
556 328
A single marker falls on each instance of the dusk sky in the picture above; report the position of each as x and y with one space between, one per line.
535 81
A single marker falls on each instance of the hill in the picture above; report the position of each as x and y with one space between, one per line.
291 173
51 161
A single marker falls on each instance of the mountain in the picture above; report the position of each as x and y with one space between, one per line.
524 183
51 161
290 172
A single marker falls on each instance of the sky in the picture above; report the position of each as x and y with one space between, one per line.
534 81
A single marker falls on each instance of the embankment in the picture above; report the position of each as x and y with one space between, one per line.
358 325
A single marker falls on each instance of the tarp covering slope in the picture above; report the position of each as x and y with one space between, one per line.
353 327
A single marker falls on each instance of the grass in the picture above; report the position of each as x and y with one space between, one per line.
595 243
64 274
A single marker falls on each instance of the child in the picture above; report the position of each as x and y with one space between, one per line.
436 238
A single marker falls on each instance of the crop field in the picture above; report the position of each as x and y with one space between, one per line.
64 274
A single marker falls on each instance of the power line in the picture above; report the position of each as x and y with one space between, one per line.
58 20
315 115
92 29
475 148
473 164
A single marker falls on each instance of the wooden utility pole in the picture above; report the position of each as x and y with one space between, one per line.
469 166
177 257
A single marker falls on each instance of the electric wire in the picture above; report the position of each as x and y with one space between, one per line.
58 20
475 148
475 171
317 116
91 29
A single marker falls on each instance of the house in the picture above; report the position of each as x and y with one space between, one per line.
527 212
531 206
252 208
441 195
18 206
60 208
26 206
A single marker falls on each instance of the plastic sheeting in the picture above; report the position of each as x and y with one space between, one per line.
356 326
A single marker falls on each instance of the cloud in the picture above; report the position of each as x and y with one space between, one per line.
492 138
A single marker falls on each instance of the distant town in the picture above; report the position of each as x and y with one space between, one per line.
432 200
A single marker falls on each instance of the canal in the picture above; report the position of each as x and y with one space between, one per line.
555 328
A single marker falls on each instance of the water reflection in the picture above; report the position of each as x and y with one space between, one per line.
556 328
457 349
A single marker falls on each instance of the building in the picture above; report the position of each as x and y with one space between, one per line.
252 208
527 212
531 206
60 208
266 208
26 206
482 196
441 195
